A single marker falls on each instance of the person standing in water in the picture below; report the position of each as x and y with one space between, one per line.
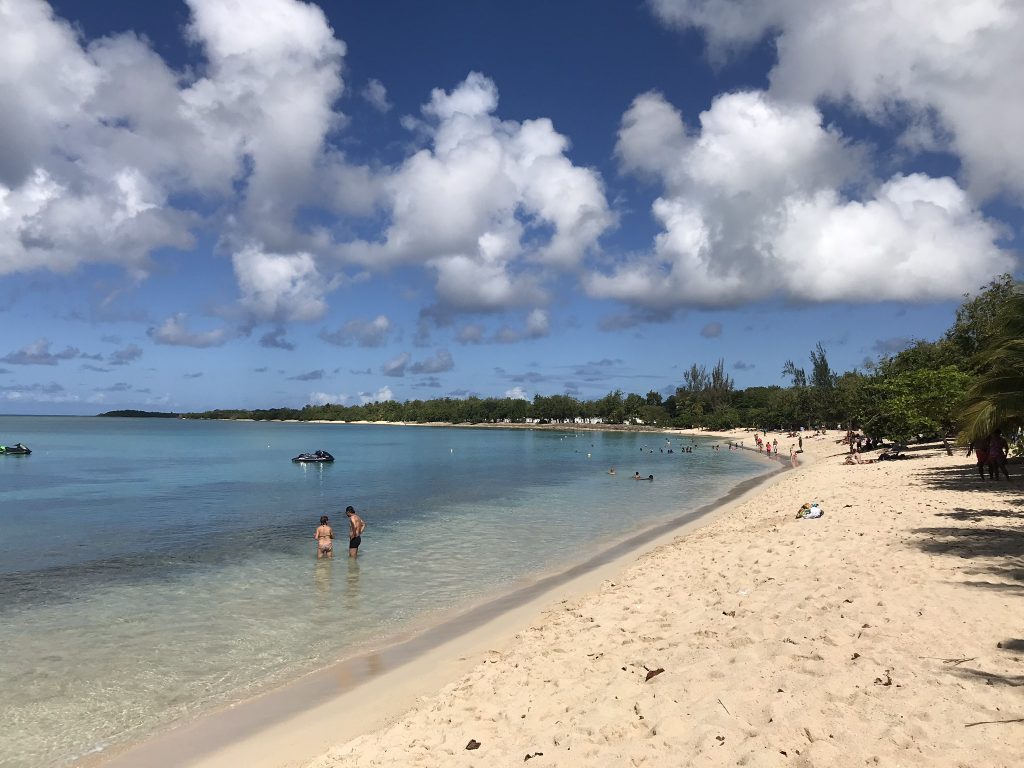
355 531
324 537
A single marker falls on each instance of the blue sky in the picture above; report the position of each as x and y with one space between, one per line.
218 203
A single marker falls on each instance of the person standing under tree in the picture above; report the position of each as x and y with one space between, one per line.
980 450
998 448
355 531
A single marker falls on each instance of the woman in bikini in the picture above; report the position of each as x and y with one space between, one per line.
324 539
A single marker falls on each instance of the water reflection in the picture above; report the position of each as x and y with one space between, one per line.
322 574
352 583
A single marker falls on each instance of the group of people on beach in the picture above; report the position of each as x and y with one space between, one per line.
763 446
324 535
991 452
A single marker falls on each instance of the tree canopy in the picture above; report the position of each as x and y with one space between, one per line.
969 380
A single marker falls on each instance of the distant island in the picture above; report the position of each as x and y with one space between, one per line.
141 414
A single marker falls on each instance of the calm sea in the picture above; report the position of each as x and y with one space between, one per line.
153 569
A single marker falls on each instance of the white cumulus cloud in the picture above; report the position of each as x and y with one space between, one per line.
280 287
382 395
767 200
948 71
464 205
324 398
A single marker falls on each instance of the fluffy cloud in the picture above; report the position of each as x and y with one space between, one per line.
487 198
517 393
760 202
38 353
104 133
382 395
945 70
280 287
372 333
174 332
110 154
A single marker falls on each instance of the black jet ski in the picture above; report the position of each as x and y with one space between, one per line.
317 457
15 450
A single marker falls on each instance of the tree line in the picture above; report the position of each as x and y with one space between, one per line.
969 380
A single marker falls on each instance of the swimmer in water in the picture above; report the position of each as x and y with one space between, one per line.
324 537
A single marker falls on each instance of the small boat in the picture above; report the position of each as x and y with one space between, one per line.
15 450
317 457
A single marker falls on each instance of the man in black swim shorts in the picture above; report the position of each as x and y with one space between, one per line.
355 531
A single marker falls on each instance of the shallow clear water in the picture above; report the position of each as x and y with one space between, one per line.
151 569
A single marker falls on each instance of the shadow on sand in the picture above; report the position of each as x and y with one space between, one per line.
973 542
992 537
962 477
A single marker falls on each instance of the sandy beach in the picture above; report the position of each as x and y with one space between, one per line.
887 632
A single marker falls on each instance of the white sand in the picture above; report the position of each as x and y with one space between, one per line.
869 636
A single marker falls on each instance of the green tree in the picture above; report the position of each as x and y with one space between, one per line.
996 396
798 376
923 402
611 408
634 407
980 320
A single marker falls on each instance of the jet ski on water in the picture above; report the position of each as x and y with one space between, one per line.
15 450
317 457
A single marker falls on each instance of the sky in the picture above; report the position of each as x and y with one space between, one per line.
269 203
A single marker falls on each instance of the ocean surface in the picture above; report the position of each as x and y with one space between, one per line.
153 569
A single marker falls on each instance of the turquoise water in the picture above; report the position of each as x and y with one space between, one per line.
153 569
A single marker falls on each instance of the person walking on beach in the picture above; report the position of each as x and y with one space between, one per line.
324 537
355 531
997 450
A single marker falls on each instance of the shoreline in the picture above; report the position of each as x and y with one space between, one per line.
552 427
277 727
885 633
